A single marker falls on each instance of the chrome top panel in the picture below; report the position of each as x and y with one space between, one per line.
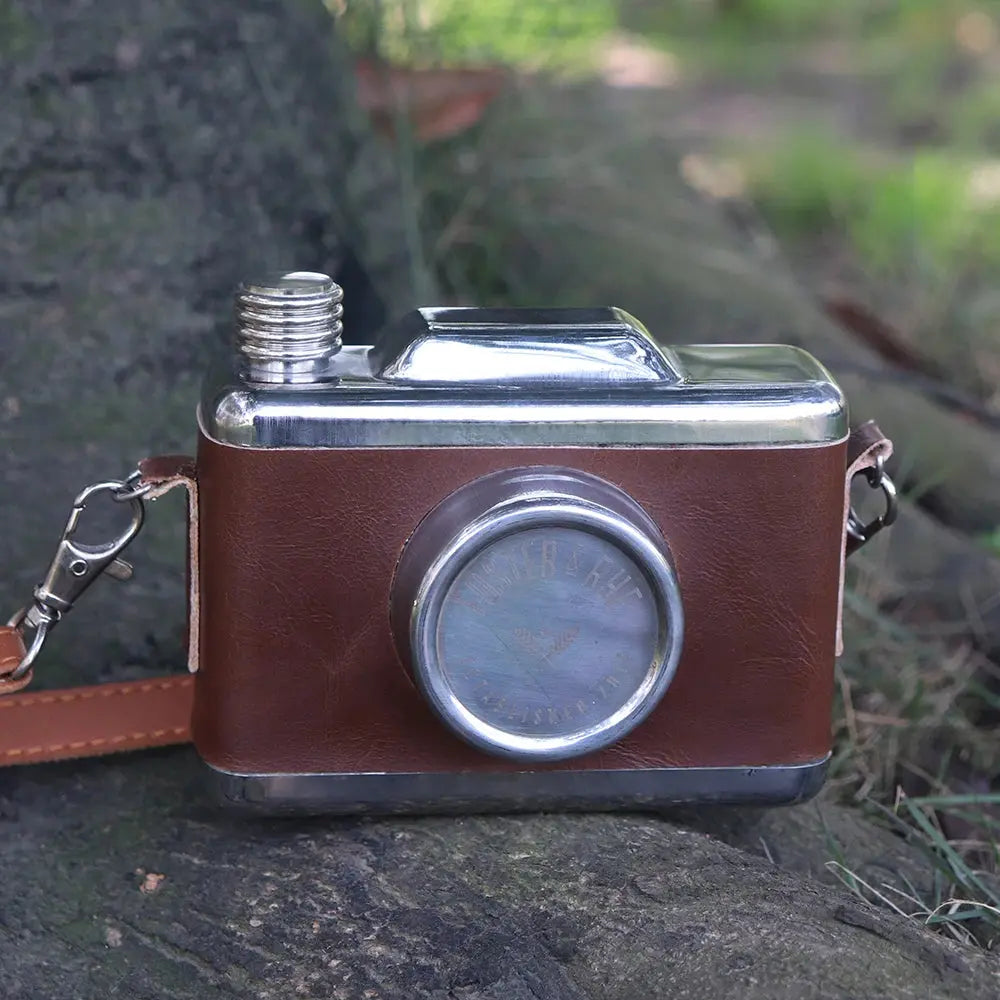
498 387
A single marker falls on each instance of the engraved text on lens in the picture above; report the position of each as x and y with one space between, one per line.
548 631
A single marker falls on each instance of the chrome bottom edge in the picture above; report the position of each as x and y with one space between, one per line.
636 790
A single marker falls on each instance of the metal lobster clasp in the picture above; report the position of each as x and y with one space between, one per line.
77 565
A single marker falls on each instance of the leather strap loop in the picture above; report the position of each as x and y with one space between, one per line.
865 447
12 652
864 444
163 473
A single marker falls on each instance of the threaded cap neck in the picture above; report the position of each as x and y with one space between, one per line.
288 324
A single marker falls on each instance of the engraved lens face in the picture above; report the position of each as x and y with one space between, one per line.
539 612
548 631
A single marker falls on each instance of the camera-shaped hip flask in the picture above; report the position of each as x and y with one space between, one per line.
510 559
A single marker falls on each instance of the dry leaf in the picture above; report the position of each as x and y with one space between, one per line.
438 102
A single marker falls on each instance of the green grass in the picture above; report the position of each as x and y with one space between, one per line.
922 225
974 117
912 711
908 216
963 899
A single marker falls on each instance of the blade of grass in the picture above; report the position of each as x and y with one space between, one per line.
963 874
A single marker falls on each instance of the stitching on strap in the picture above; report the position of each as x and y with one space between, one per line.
106 691
120 690
99 741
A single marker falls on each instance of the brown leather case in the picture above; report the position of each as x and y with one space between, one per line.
298 672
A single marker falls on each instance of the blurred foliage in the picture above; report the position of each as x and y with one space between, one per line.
556 33
926 213
921 78
884 25
18 33
974 116
993 540
865 134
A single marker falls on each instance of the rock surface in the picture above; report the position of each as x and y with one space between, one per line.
152 154
120 880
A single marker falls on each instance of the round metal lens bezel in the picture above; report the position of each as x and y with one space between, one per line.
518 514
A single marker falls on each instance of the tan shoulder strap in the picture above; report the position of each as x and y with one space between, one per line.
87 721
103 718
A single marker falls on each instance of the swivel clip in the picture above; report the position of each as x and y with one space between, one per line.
77 565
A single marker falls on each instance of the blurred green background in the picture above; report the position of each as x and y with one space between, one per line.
865 135
694 161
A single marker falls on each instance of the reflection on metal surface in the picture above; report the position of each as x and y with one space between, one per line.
360 412
288 325
517 347
504 377
540 612
475 791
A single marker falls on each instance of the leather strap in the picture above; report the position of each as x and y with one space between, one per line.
104 718
99 719
12 651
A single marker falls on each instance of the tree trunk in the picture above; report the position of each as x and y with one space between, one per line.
152 155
